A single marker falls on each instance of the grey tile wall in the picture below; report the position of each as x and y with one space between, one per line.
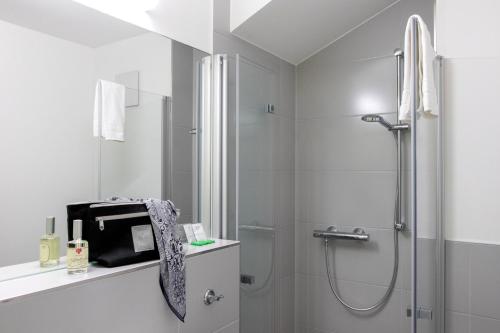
472 287
345 176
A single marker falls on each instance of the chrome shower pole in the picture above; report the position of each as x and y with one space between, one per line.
413 106
440 243
398 223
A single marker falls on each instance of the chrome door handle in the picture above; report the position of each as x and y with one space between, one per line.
210 297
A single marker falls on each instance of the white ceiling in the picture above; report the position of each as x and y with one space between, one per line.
68 20
294 30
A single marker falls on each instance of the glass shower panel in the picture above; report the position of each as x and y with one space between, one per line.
429 260
133 168
426 173
256 226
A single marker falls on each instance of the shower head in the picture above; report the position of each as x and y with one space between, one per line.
375 118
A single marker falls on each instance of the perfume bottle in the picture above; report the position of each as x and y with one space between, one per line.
77 257
49 244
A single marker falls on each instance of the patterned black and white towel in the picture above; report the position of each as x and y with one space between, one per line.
172 270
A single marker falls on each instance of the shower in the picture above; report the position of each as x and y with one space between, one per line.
358 234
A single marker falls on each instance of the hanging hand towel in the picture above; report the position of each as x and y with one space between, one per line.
425 63
109 110
172 271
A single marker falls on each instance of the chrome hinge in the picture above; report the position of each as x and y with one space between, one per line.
422 313
400 226
247 279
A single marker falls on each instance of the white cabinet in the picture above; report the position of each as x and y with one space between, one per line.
128 301
234 327
218 271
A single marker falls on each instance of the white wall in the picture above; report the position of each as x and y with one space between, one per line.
150 54
468 29
467 36
47 149
187 21
241 10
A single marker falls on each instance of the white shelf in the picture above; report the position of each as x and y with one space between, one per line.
27 279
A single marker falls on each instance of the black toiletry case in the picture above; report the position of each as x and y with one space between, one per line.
118 233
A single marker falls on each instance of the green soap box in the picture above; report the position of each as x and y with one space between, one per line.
203 242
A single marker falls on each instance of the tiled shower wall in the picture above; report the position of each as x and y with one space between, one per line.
473 288
345 176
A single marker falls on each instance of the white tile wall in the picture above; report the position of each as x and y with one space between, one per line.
468 29
471 155
472 68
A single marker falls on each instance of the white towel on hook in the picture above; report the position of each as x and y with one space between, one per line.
109 110
427 99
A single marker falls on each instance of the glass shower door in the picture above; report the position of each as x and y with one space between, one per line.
428 238
135 167
256 96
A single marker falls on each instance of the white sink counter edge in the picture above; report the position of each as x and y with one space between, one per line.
18 288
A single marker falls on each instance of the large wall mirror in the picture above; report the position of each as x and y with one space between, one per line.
50 66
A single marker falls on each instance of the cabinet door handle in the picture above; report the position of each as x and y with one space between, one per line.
210 297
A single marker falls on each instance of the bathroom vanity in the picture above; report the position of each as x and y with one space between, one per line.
125 299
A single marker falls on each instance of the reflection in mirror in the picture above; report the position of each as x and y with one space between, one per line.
50 157
160 156
133 168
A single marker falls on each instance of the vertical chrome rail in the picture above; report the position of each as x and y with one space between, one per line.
205 181
440 242
166 149
413 106
399 223
219 149
197 127
224 70
237 160
99 155
215 158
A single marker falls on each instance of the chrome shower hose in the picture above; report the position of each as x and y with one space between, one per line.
387 294
385 298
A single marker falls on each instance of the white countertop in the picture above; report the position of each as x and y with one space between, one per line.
28 279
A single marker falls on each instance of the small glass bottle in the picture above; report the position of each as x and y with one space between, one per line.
77 258
49 244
